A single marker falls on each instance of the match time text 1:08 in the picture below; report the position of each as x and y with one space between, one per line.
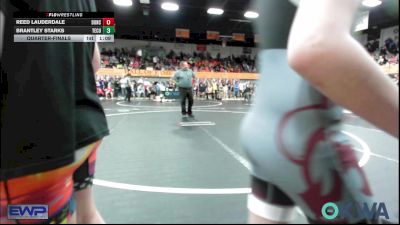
105 38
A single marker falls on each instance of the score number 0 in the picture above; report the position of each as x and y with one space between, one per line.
108 21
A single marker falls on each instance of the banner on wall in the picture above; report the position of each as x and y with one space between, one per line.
212 35
182 33
201 48
238 37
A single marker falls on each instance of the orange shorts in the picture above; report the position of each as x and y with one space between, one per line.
53 188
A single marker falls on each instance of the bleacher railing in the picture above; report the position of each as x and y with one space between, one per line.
388 69
169 74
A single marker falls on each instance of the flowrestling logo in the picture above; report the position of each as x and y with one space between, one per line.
20 212
349 210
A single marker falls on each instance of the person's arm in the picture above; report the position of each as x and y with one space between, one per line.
193 75
174 77
322 50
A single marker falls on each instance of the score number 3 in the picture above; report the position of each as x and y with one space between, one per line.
108 26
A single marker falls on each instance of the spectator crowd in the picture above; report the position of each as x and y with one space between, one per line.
109 87
158 60
204 62
387 54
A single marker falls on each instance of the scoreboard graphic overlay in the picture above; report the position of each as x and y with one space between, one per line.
64 27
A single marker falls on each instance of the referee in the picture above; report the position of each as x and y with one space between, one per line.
184 77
